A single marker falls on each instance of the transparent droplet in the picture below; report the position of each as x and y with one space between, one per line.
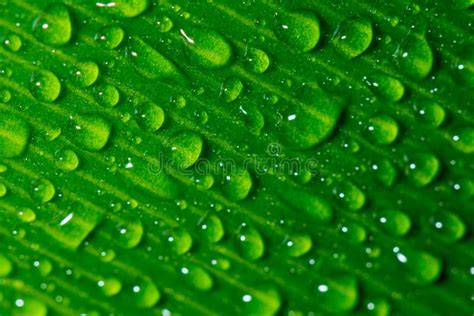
26 214
14 135
236 184
250 243
339 293
382 129
12 42
257 60
90 132
300 30
447 226
143 294
297 245
419 267
110 286
53 25
422 168
184 149
211 228
150 117
353 37
66 160
386 87
123 8
179 240
85 73
394 222
415 57
462 139
197 277
45 86
350 196
231 89
42 190
6 266
110 36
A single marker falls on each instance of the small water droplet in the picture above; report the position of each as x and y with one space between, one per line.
45 86
66 160
14 135
415 57
421 267
91 132
354 232
184 149
211 228
297 245
447 226
107 95
339 293
462 139
385 172
422 168
382 129
197 277
127 231
179 240
85 73
6 266
150 117
256 60
12 42
5 96
265 301
164 24
53 25
236 184
394 222
350 195
123 8
231 89
110 36
110 286
300 30
26 215
42 190
144 294
430 113
353 36
24 305
250 243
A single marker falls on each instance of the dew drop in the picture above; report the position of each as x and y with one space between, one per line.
6 266
197 277
12 42
415 57
256 60
265 301
421 267
14 135
3 190
386 87
151 64
123 8
179 240
110 36
350 196
353 36
91 132
382 129
211 228
44 266
430 113
127 231
164 24
311 204
66 160
378 307
29 306
394 222
5 70
150 117
300 30
250 243
207 48
463 140
85 73
53 26
144 294
26 215
42 190
107 95
236 184
110 286
5 96
339 293
297 245
447 226
354 232
463 66
231 89
184 149
422 168
45 86
303 128
385 172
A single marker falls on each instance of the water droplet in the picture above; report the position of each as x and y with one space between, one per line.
42 190
386 87
306 127
354 232
12 42
203 182
415 57
110 286
463 65
66 160
91 132
385 172
236 184
350 196
250 243
24 305
14 135
378 307
312 204
107 95
184 149
3 190
26 215
382 129
256 60
5 96
339 293
45 86
5 70
447 226
211 228
179 240
207 48
6 266
85 73
150 117
231 89
164 24
298 245
394 222
353 36
44 266
463 140
264 300
151 64
53 26
123 8
144 294
127 231
197 277
421 267
422 168
300 30
110 36
430 113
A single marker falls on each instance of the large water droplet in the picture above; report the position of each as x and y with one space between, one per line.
144 294
306 127
184 149
150 117
256 60
123 8
420 267
110 36
386 87
353 37
53 26
110 286
382 129
463 140
28 306
107 95
394 222
264 301
149 63
231 89
350 196
430 113
339 293
463 66
197 277
26 215
127 231
211 228
6 266
415 57
85 73
12 42
207 48
354 232
250 243
385 172
14 135
312 204
3 190
237 184
300 30
45 86
42 190
447 226
298 245
179 240
66 160
91 132
422 168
